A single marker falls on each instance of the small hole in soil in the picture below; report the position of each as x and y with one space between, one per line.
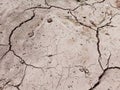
49 20
31 34
50 55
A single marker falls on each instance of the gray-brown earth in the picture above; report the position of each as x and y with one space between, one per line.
59 44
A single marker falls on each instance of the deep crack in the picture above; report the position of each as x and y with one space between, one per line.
22 61
81 23
100 77
10 36
98 48
18 85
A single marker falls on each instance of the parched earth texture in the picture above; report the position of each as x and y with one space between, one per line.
59 44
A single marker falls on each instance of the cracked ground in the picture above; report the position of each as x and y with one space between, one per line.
59 45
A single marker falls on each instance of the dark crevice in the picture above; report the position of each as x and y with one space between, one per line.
11 34
98 48
10 45
99 52
81 23
69 10
101 76
108 23
26 65
2 88
98 2
23 61
10 49
39 7
18 85
98 39
52 6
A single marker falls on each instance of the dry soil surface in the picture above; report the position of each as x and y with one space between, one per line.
59 44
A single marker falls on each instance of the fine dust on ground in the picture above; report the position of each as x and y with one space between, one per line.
59 44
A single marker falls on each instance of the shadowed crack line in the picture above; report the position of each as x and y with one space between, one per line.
18 85
27 65
98 2
10 36
10 49
70 11
62 7
98 40
38 6
2 88
23 61
10 46
110 21
81 22
98 48
103 74
97 31
51 6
